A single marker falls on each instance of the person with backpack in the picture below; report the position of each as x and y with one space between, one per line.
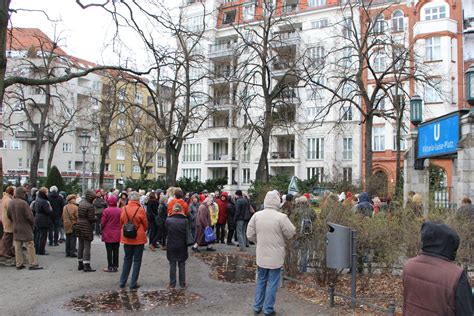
70 211
134 223
177 248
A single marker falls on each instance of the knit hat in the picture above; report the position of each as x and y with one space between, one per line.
53 189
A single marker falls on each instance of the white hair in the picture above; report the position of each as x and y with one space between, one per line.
134 196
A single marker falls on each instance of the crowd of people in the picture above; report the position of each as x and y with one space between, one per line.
173 220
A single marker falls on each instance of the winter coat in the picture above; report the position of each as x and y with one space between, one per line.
270 229
203 220
140 222
57 204
364 207
7 224
230 214
43 211
181 202
432 283
110 222
222 217
193 211
20 214
176 245
86 216
242 210
152 207
99 205
214 213
70 211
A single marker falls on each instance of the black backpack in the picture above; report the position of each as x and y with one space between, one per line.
129 229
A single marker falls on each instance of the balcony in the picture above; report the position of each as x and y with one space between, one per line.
435 26
285 113
291 38
222 50
290 8
26 135
282 155
221 157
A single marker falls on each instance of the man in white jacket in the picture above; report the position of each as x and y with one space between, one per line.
269 229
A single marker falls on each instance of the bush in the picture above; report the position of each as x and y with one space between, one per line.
54 178
186 184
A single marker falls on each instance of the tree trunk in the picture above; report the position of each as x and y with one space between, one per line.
35 158
368 151
104 149
262 174
398 172
172 157
51 155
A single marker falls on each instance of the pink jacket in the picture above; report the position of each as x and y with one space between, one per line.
111 229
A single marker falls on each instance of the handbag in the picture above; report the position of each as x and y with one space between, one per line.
209 235
189 234
129 229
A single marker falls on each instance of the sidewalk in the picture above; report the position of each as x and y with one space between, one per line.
47 291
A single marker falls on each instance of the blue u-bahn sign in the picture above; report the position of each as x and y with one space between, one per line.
438 137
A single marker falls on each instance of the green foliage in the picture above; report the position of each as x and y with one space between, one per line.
54 178
73 186
186 184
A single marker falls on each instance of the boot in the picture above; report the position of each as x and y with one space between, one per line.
87 268
81 266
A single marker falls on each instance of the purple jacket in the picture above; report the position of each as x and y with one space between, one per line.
111 229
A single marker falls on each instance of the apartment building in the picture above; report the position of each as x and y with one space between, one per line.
315 141
79 103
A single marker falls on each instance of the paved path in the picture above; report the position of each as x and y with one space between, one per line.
45 292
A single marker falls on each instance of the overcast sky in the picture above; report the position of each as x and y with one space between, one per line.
82 33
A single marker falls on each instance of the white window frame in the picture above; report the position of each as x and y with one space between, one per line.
317 55
67 148
403 141
248 12
347 144
20 163
378 138
380 62
316 3
433 48
136 169
431 95
315 172
245 175
16 144
120 167
319 24
315 148
192 152
379 24
435 12
398 21
346 113
192 173
347 174
69 165
120 154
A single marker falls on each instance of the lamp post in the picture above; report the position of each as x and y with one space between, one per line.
416 106
84 139
470 85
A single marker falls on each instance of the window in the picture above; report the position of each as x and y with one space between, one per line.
316 3
139 98
245 175
346 56
28 162
122 94
379 25
20 163
315 148
120 167
347 175
379 102
229 17
69 165
314 112
403 142
246 152
135 157
41 164
433 48
16 144
108 167
432 95
347 27
398 21
161 161
67 148
192 173
313 93
319 24
435 13
347 148
3 144
346 113
378 138
191 152
120 154
316 55
195 23
379 62
249 12
120 124
136 169
315 173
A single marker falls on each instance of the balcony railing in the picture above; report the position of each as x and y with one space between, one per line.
25 134
219 100
283 155
215 157
221 50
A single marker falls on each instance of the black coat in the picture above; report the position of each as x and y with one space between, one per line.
176 247
152 210
43 211
57 203
231 215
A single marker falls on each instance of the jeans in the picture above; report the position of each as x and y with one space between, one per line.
84 253
97 224
112 254
41 237
133 253
53 232
182 273
268 281
70 244
30 247
241 234
153 233
220 233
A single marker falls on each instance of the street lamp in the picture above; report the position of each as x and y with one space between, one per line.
416 116
470 85
84 139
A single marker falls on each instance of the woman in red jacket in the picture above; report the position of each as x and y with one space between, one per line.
133 247
222 217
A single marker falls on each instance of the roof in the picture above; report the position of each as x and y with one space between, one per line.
20 39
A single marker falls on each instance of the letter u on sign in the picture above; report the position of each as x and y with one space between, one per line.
436 130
